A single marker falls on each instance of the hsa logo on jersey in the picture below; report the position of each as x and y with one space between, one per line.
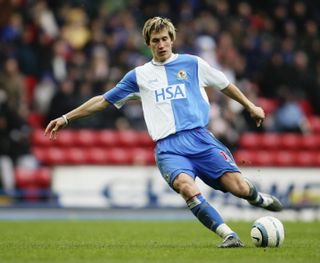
173 92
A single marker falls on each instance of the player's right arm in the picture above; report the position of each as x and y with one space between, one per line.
93 105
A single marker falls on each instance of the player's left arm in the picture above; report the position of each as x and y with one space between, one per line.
235 93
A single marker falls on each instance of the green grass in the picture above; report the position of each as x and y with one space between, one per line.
146 241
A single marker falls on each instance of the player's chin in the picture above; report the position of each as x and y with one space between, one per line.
162 56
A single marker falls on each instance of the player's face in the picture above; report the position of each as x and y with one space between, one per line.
160 45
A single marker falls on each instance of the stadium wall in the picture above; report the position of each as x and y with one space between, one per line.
143 187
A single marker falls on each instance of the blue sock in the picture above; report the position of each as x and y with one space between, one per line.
206 214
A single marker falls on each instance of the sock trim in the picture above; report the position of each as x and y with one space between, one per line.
193 196
194 201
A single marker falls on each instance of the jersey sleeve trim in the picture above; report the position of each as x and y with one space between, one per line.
126 89
211 77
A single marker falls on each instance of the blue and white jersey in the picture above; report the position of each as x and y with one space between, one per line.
172 93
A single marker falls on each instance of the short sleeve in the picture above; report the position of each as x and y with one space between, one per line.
211 77
125 90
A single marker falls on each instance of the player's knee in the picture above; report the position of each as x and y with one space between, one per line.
185 185
235 184
243 188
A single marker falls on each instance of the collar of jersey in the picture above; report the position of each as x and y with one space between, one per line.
172 58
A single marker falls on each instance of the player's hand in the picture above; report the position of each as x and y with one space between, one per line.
54 127
257 114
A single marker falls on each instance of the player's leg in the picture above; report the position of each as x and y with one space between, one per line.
176 167
234 183
207 214
217 168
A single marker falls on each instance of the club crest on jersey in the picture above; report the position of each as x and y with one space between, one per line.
182 75
173 92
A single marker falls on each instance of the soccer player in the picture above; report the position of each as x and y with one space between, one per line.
176 109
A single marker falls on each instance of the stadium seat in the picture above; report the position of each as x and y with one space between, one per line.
65 138
106 138
118 156
85 138
142 156
285 158
244 157
36 120
250 140
145 139
315 124
97 155
38 138
43 177
75 155
310 141
263 158
24 178
270 141
268 105
306 107
128 138
38 177
290 141
305 158
50 156
317 158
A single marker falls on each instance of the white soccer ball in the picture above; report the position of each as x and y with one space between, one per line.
267 231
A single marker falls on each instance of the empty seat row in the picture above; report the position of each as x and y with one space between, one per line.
277 158
94 155
280 141
88 137
28 178
314 122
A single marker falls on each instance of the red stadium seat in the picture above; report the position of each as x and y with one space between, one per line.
97 155
306 107
119 156
250 140
263 158
290 141
285 158
43 177
38 138
75 155
315 124
142 156
39 177
270 141
35 120
65 138
310 141
85 138
145 140
24 178
244 157
128 138
305 158
50 156
317 158
268 105
106 138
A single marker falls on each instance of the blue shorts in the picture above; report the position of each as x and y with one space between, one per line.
197 153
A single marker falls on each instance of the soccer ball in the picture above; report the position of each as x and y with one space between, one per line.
267 231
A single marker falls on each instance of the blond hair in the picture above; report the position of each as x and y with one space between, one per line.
156 24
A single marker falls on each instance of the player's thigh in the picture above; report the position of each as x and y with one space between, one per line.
213 164
171 165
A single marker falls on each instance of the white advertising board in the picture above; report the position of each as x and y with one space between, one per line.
143 187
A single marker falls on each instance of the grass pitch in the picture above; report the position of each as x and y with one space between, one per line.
146 241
